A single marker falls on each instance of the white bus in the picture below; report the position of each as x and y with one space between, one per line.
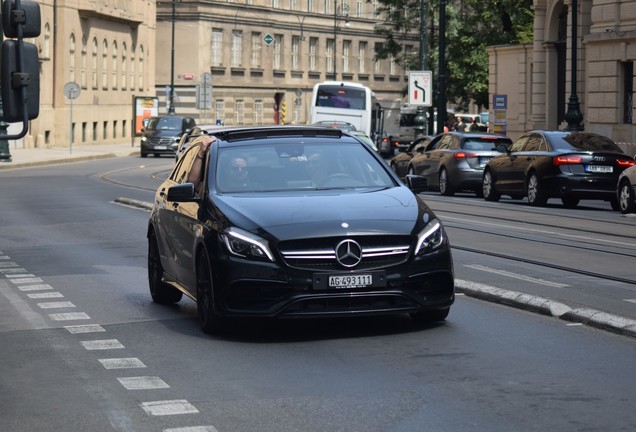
346 102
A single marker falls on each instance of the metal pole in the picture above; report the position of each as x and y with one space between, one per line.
574 115
171 108
5 154
335 33
441 97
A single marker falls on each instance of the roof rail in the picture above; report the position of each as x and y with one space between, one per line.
280 131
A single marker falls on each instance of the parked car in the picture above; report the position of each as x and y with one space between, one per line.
400 162
296 221
557 164
626 190
161 135
454 161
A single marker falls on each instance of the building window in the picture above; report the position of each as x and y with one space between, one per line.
258 112
256 50
375 4
377 67
278 48
628 92
124 129
84 127
239 112
392 66
105 131
329 55
217 47
94 131
295 54
46 51
124 67
237 48
105 65
275 3
141 67
346 48
94 65
220 111
362 54
83 64
71 63
313 53
115 129
328 6
310 5
293 4
115 66
132 67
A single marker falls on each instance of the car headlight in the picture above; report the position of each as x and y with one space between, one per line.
144 139
430 238
246 245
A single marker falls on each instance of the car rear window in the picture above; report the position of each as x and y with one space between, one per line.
485 143
590 142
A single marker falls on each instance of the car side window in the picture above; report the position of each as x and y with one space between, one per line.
453 143
519 144
181 171
444 143
533 144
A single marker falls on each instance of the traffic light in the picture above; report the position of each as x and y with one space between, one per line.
20 69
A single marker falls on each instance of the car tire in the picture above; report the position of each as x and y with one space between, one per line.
535 195
444 184
160 291
626 199
430 316
570 202
206 311
143 155
488 187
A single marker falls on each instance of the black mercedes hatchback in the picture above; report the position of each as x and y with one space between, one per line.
293 222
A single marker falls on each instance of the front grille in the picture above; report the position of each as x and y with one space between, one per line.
377 253
160 141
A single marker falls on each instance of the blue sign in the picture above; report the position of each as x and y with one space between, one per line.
500 101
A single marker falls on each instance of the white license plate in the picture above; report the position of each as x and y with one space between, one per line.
161 147
483 160
350 281
599 168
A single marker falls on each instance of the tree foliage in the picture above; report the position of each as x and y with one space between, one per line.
471 26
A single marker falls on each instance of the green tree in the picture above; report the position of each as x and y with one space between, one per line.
471 26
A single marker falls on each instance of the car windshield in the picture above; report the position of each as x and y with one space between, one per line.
590 142
293 166
484 143
165 123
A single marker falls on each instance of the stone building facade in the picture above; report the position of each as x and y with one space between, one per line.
255 53
537 78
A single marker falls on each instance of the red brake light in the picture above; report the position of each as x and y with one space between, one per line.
626 162
567 160
464 155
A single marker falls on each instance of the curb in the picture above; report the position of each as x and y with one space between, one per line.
590 317
68 159
134 203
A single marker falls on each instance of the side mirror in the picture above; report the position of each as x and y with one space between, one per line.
182 193
501 148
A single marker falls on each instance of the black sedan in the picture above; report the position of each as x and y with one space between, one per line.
296 222
557 164
400 162
626 190
454 161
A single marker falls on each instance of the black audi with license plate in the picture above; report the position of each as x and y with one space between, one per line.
293 222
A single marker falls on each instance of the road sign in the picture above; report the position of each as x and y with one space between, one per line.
269 39
421 88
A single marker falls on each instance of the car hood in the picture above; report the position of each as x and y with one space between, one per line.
289 215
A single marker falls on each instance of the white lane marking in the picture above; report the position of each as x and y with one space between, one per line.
192 429
24 309
516 276
43 295
122 363
56 305
4 257
85 328
169 407
143 383
19 275
574 324
552 233
12 270
630 300
7 265
27 280
69 316
104 344
38 287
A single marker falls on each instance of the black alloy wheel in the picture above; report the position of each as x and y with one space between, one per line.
445 187
160 291
208 318
488 187
626 198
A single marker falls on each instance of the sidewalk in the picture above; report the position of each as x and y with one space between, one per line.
30 157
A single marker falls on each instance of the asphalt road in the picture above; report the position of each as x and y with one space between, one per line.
84 347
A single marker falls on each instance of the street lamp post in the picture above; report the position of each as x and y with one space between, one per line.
574 115
5 153
171 97
343 9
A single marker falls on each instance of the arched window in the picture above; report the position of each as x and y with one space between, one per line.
132 67
124 69
83 64
94 64
141 67
71 60
115 65
105 65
